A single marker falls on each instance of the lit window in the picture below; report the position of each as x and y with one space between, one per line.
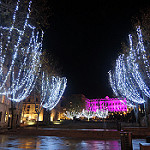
3 99
6 117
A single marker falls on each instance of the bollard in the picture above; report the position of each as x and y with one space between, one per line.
148 139
126 141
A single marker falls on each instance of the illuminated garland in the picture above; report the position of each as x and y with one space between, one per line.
88 114
52 90
125 84
73 114
22 74
131 73
101 113
139 64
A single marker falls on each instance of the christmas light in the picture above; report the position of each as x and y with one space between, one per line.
52 90
139 64
88 114
24 65
73 114
125 84
132 73
101 113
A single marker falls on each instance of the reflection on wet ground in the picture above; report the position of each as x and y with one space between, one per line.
77 129
8 142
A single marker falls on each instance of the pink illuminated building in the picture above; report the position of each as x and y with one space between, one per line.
112 104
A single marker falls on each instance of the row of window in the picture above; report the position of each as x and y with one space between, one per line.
107 104
28 107
5 116
29 100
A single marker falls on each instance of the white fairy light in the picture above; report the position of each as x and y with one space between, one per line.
101 113
136 58
69 115
132 72
88 114
72 114
125 82
23 75
130 87
52 90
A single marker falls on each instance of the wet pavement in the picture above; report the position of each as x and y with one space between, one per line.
77 129
9 142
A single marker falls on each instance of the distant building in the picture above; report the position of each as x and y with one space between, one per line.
30 104
10 113
5 106
55 113
112 104
72 103
29 114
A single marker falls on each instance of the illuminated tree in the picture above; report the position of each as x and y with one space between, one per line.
20 51
36 19
88 114
123 83
139 64
131 76
101 113
51 90
73 114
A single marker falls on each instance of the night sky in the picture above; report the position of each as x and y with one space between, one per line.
85 37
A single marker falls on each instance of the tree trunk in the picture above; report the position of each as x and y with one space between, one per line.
46 118
37 121
136 113
147 113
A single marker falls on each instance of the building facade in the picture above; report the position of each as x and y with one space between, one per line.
10 113
30 110
5 116
110 104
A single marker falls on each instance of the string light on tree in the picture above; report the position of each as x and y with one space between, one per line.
52 90
72 114
139 64
131 76
125 84
101 113
88 114
24 65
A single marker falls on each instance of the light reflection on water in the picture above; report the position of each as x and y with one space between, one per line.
8 142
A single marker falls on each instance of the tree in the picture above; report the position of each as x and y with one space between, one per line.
73 114
51 90
36 19
88 114
25 46
131 76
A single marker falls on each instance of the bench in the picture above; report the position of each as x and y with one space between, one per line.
144 146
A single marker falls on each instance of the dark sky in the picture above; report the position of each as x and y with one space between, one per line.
85 37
